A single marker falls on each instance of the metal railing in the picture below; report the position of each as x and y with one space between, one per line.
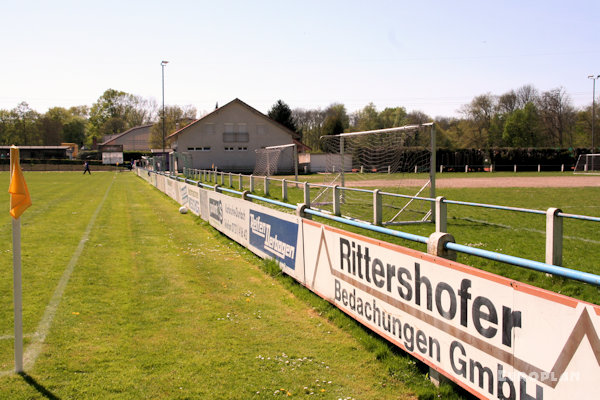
553 223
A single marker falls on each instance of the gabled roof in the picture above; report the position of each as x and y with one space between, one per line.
113 137
238 101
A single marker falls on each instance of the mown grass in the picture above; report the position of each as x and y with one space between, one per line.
159 305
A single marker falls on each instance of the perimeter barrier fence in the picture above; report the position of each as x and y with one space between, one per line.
494 336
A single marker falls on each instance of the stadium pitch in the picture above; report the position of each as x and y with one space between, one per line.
159 305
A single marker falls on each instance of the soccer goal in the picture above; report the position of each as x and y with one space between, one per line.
273 160
588 163
401 160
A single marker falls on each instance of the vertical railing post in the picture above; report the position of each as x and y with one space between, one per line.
241 182
230 181
377 207
336 200
441 214
307 194
554 236
266 185
284 189
251 183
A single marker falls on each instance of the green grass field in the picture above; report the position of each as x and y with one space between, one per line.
159 305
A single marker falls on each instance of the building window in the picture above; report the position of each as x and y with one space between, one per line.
228 128
233 137
209 128
242 148
243 137
228 148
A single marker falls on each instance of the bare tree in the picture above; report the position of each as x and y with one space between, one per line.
507 103
558 117
526 94
479 114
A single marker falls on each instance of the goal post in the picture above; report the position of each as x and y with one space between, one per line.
588 164
277 159
406 155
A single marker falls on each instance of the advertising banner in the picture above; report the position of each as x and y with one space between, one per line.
229 215
172 189
183 194
193 199
204 214
160 182
277 235
496 337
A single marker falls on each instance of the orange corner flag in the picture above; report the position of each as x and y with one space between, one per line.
19 194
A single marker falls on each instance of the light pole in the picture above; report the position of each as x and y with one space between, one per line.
162 64
593 77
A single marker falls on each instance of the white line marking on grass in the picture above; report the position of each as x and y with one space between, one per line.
11 337
34 349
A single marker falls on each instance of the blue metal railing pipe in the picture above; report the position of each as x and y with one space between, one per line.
491 255
530 264
271 201
506 208
581 217
374 228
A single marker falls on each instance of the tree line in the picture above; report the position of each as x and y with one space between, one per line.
114 112
524 117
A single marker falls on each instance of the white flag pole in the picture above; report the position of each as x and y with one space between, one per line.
17 290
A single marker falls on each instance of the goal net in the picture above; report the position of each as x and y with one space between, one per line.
399 161
588 163
275 160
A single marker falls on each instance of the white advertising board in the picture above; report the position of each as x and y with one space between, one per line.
112 158
160 182
204 214
496 337
229 215
193 199
182 196
266 232
172 189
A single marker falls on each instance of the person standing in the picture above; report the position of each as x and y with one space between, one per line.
86 168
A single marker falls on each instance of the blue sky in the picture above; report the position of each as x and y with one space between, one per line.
431 56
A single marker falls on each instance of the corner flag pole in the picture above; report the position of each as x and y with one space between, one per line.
19 202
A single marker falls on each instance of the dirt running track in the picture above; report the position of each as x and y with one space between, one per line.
524 181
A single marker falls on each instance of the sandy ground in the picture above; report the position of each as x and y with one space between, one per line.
525 181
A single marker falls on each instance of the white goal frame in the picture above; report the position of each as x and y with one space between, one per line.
588 164
283 146
405 128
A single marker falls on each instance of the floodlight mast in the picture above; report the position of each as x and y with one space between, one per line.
162 64
593 77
